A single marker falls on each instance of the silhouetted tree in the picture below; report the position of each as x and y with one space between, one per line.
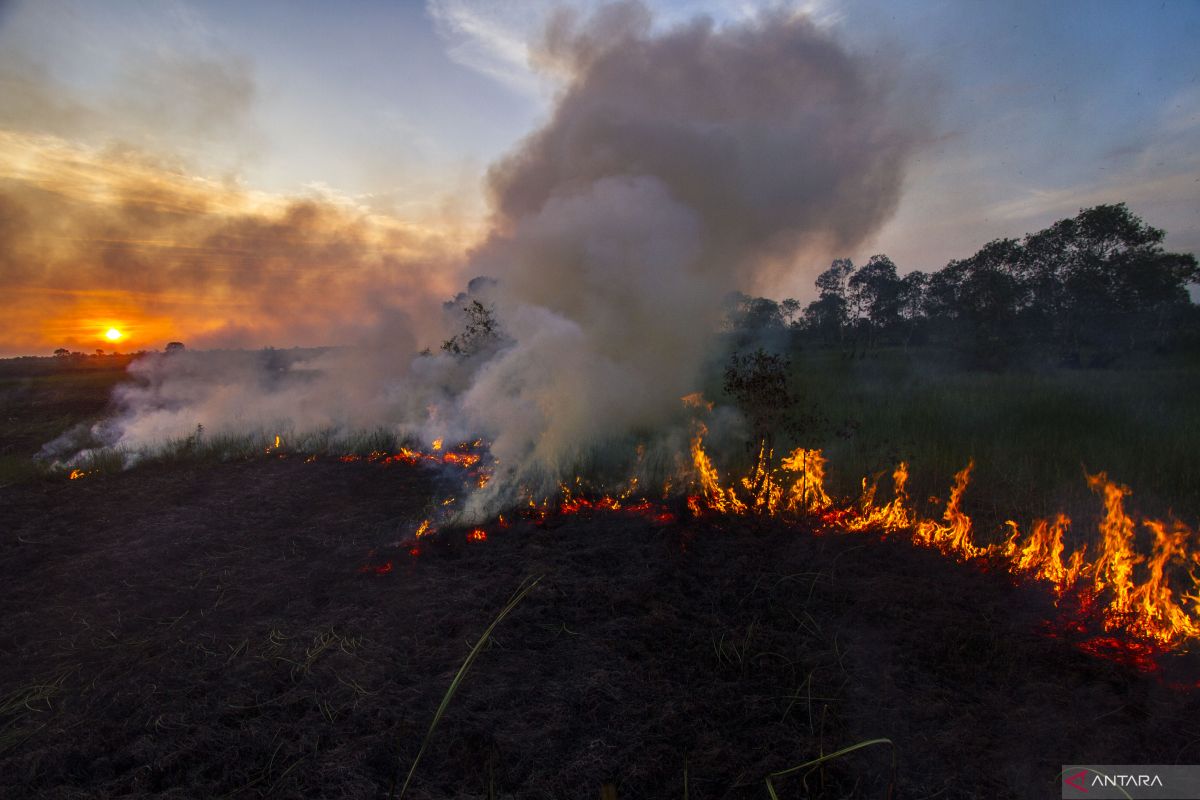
829 314
480 331
874 293
758 383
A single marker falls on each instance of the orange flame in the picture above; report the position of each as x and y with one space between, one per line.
1133 591
954 537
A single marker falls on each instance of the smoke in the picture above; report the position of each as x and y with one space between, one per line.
677 166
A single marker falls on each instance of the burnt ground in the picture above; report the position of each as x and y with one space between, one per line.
204 630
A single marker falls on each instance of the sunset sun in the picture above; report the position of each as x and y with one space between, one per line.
113 335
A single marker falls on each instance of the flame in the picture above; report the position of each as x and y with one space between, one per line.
76 474
1115 565
696 400
1041 554
808 490
953 537
1156 613
895 515
717 498
1132 592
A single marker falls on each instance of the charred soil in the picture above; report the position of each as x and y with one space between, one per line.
266 628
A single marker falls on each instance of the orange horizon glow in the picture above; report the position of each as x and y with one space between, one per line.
209 262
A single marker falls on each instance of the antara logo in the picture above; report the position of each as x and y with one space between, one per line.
1126 780
1076 781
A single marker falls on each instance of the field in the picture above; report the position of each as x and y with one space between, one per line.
263 627
1032 433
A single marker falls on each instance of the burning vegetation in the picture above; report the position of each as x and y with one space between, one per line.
1136 578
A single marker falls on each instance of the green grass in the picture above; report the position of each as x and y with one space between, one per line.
525 588
1031 434
817 762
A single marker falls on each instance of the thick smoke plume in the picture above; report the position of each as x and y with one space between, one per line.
676 167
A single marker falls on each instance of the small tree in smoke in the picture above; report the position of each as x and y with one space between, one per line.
480 331
758 383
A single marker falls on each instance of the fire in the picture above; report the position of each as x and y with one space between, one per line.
1115 565
894 515
1041 554
1132 591
718 499
808 490
953 537
76 474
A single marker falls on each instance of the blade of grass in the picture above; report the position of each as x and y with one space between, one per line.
829 757
524 589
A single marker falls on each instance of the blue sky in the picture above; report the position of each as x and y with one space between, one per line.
1036 108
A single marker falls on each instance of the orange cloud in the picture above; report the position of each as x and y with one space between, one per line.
95 238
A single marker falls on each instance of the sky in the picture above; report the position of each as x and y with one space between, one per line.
243 174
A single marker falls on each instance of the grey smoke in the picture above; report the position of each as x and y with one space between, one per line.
676 166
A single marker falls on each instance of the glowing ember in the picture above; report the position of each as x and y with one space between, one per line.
76 474
477 535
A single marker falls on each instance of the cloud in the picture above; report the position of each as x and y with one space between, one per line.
95 236
492 38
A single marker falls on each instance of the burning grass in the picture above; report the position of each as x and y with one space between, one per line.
244 653
785 610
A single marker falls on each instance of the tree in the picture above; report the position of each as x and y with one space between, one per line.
62 352
910 302
758 383
480 331
874 293
829 314
1104 281
175 347
791 310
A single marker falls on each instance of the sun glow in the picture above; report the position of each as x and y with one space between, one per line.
113 335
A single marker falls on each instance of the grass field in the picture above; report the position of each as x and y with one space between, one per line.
1032 434
268 627
42 398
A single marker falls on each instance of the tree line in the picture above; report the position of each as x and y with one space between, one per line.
1083 291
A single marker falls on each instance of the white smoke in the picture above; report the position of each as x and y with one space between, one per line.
677 166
